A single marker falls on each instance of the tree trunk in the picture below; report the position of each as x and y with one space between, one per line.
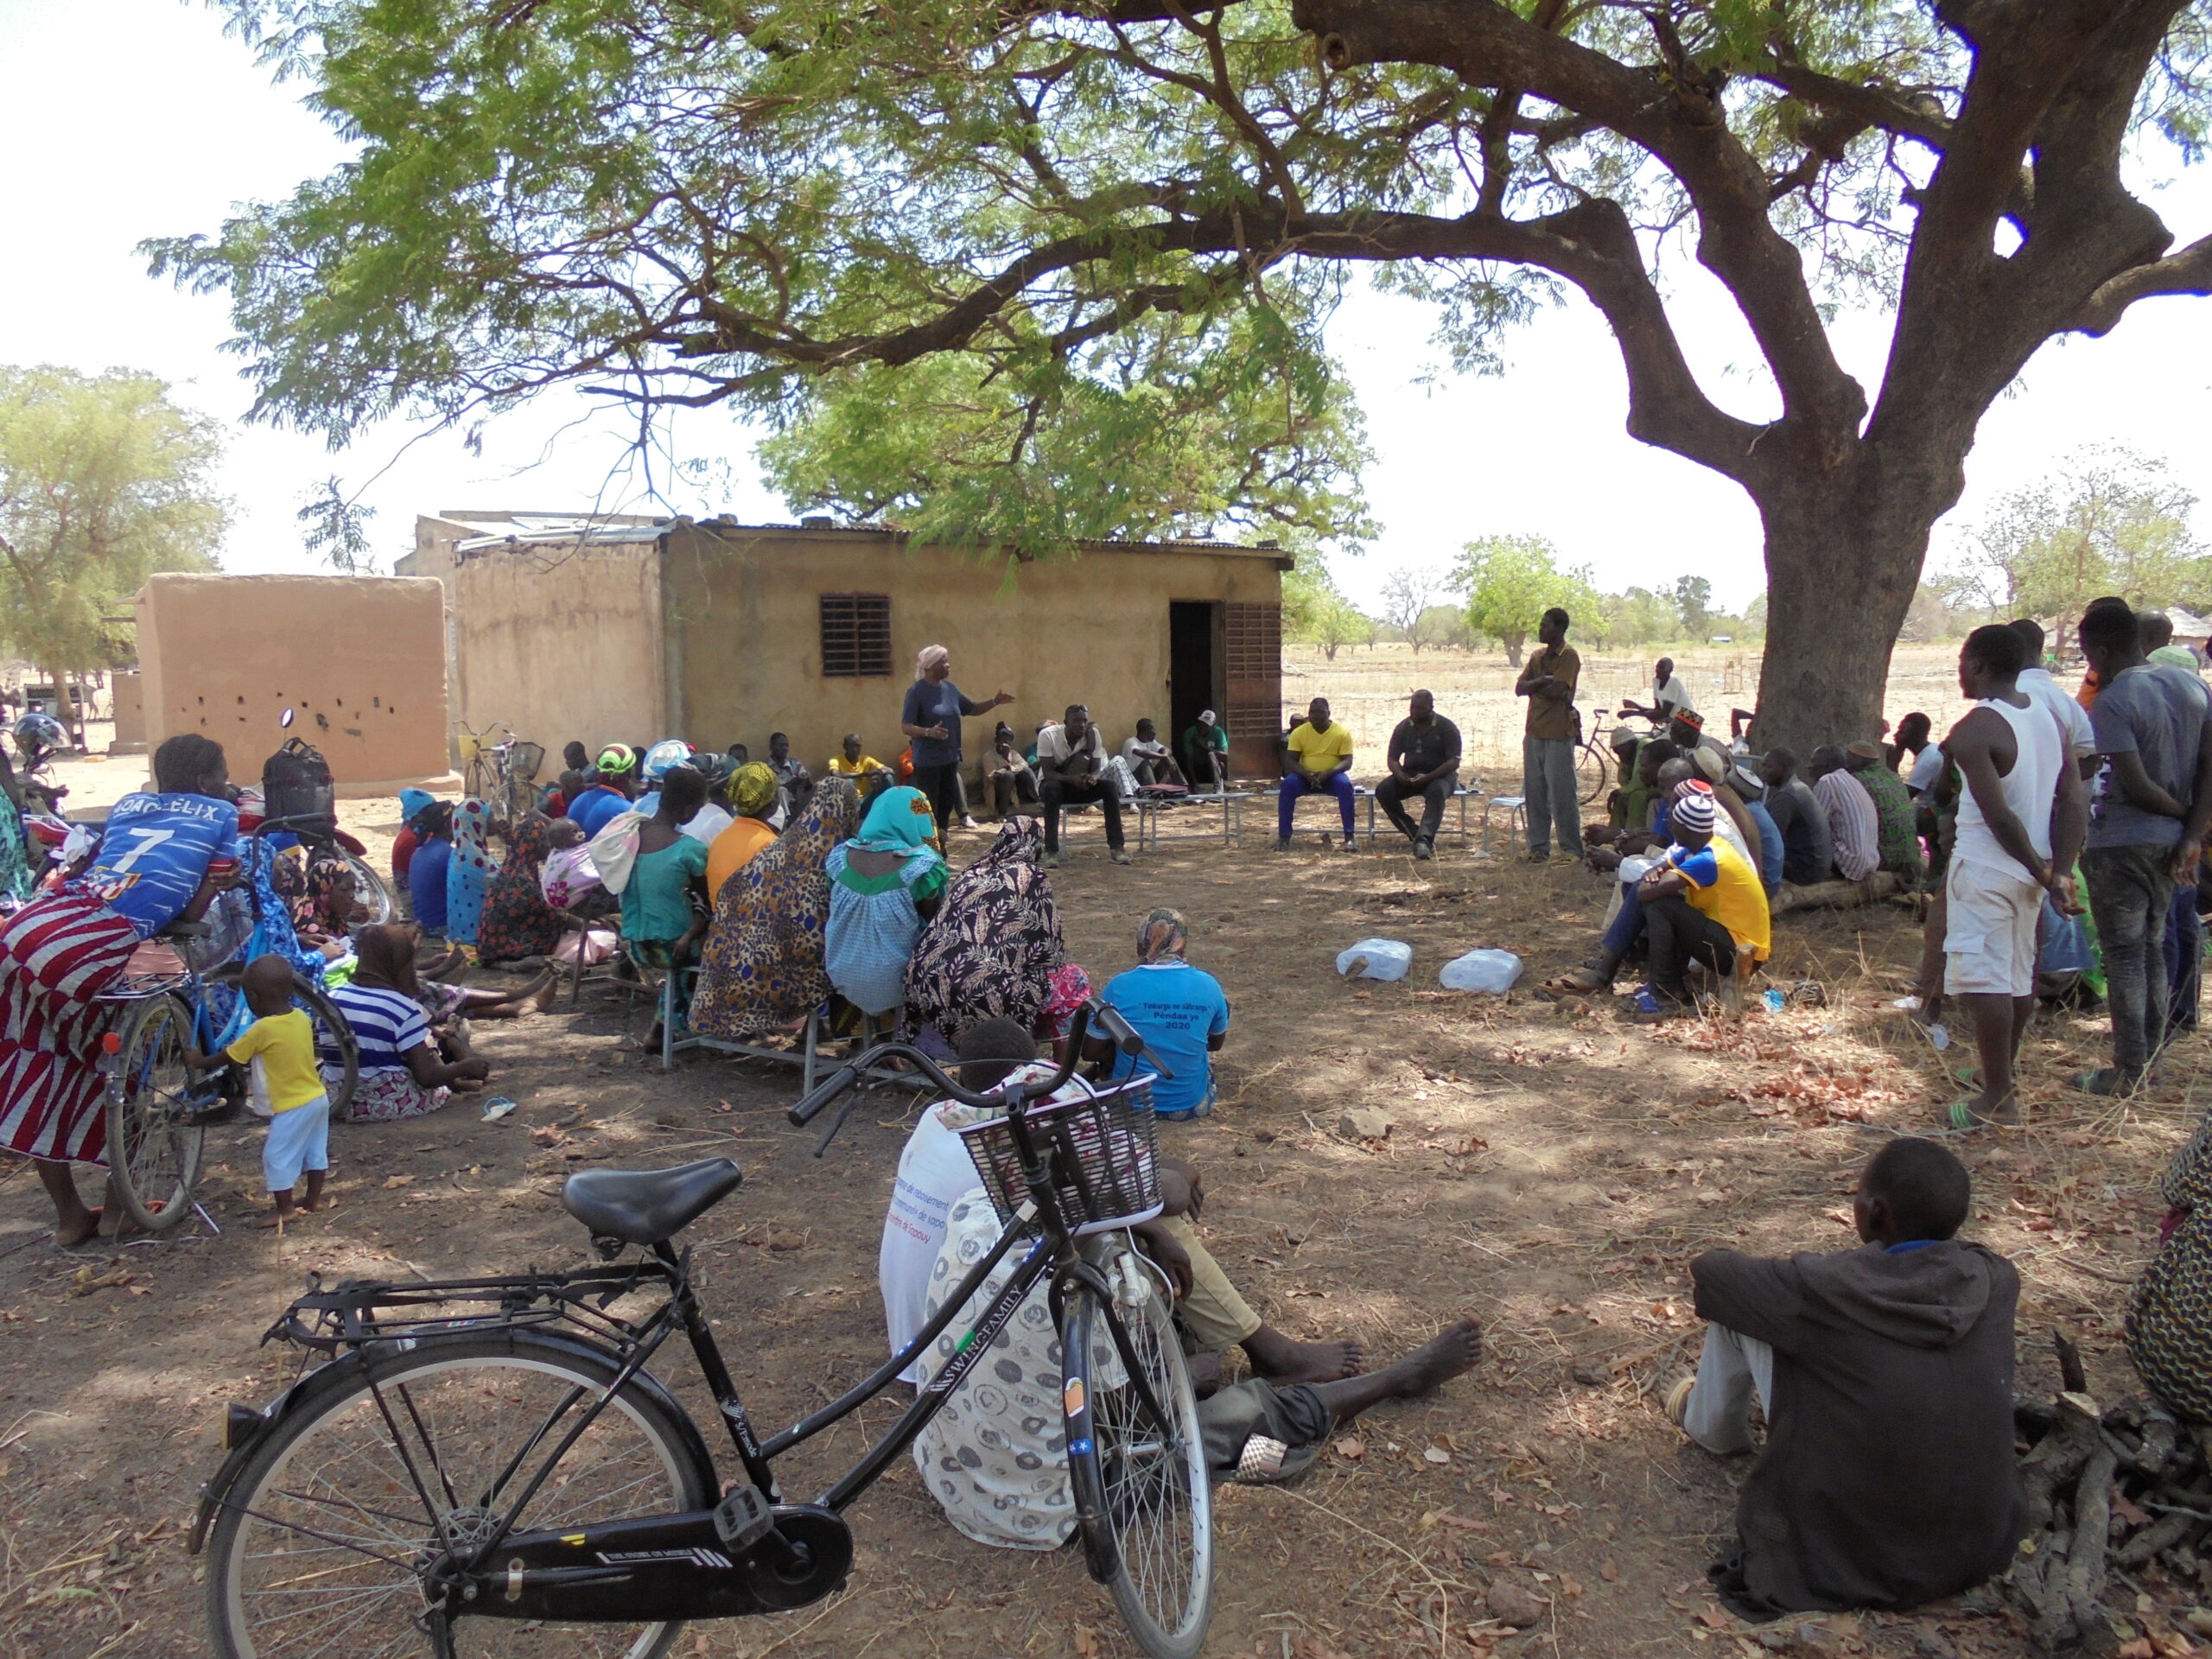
1512 643
1840 576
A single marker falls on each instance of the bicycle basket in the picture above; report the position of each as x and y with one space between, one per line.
1108 1164
523 759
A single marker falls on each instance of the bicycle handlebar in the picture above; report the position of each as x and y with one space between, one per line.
1010 1095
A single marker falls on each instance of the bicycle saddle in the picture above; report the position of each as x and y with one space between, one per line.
648 1206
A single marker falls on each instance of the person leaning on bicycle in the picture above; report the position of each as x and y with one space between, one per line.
162 857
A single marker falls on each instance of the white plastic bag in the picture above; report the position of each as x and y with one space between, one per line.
1492 972
1384 959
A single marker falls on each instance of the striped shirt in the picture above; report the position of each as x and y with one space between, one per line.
386 1025
1853 825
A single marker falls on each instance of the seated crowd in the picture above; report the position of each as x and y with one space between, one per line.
1882 1375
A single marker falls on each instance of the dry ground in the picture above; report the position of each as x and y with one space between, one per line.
1551 1173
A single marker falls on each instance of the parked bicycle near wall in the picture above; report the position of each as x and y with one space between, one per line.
494 1458
501 771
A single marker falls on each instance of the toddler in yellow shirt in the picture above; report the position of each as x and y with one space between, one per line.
282 1037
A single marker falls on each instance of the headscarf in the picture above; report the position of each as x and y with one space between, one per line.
995 944
317 907
471 870
412 803
753 789
762 964
927 658
900 822
668 753
616 758
518 921
1071 989
1163 934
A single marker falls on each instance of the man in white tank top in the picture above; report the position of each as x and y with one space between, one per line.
2021 819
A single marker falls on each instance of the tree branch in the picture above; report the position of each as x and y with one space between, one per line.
2189 272
1680 119
1869 106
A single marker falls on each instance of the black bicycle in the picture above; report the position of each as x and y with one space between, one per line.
490 1466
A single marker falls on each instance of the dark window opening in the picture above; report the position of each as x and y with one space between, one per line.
855 635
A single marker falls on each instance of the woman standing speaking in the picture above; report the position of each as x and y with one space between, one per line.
931 718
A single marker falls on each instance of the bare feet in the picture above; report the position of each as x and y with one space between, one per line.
114 1222
1286 1363
1453 1351
73 1231
540 995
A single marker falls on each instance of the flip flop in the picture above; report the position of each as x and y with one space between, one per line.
1576 981
1960 1118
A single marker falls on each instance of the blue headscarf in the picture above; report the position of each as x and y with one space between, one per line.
900 822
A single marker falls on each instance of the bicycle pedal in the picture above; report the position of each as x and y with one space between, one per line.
744 1517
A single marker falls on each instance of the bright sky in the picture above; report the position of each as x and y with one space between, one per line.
169 123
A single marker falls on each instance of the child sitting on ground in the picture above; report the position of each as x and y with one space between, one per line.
1886 1372
282 1037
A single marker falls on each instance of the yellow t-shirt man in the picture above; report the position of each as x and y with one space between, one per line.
1723 885
843 768
284 1043
1319 752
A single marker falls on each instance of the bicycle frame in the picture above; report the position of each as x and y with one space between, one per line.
786 1555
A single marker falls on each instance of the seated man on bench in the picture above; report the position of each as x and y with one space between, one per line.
1424 762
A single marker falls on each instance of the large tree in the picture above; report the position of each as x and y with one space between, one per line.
103 480
1507 582
1029 268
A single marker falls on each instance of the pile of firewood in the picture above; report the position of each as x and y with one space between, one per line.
2109 1493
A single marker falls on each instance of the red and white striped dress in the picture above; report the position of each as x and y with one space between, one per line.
57 955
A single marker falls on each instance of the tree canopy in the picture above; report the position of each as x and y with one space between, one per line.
103 481
1028 270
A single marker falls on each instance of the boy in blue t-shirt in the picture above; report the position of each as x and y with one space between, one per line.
1178 1010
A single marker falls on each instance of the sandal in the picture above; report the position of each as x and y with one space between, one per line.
1647 1007
1576 981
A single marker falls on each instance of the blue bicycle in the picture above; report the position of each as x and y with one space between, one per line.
158 1109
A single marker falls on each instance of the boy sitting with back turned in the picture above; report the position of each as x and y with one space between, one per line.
283 1038
1886 1373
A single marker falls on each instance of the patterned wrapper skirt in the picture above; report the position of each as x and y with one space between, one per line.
57 956
390 1094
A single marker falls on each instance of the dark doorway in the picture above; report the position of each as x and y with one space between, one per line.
1193 666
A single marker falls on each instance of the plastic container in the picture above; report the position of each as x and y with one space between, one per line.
1384 959
1489 971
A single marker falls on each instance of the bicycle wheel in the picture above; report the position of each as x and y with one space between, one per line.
1141 1484
1597 769
370 889
321 1541
331 1030
153 1160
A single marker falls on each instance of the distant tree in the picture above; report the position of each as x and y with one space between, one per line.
2110 521
1371 631
1507 582
1340 623
103 481
1755 618
1929 617
1411 590
1694 606
1443 627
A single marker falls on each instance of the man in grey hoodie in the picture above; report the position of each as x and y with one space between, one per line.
1885 1374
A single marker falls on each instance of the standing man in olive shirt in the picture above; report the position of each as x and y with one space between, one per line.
1424 761
1547 748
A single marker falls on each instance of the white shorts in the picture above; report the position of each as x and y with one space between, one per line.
298 1139
1989 935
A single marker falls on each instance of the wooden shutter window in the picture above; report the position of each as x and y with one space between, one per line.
855 635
